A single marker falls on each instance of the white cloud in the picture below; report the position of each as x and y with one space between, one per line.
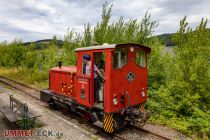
33 19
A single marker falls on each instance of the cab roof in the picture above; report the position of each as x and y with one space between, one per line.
111 46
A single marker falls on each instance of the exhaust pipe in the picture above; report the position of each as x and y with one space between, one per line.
59 64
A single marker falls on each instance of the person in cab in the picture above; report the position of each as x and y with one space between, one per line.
97 75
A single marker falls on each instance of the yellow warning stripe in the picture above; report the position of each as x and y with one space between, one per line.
108 123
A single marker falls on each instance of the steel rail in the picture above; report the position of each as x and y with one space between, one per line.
153 133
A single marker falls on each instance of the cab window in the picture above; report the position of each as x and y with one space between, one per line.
85 59
141 58
119 58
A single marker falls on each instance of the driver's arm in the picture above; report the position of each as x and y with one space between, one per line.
98 71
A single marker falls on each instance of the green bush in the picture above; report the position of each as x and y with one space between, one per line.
183 95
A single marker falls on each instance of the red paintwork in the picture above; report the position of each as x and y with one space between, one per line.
115 80
60 80
119 84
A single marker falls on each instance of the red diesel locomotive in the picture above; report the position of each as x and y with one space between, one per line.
122 91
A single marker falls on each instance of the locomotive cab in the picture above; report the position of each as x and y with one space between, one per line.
109 85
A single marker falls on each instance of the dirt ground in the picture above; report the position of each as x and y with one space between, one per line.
49 122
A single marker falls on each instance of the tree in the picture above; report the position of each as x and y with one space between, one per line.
184 98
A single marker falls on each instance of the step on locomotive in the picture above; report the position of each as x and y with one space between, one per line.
108 85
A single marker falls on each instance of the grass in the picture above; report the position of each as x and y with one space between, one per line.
25 76
32 125
94 138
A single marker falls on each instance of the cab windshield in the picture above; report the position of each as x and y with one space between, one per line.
119 58
141 58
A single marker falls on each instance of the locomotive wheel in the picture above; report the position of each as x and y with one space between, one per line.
119 122
52 104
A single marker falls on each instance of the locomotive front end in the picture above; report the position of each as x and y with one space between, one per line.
128 85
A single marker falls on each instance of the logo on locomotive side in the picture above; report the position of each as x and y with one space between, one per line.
130 76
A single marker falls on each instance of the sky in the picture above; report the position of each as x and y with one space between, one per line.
31 20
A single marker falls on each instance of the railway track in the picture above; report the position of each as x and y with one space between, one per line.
153 133
35 93
135 130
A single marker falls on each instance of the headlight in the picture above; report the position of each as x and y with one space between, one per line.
115 101
143 94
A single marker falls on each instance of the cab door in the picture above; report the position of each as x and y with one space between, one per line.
83 83
83 90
